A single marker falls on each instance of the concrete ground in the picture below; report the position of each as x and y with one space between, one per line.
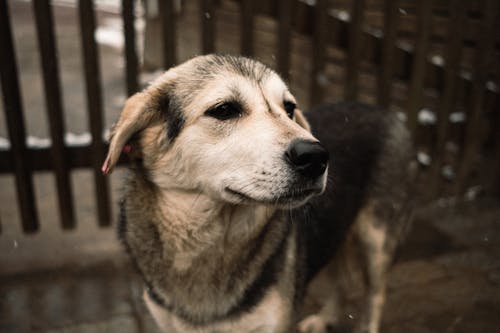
446 277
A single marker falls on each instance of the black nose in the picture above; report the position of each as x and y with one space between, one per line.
308 158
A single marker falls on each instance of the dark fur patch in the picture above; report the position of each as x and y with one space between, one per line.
172 111
266 278
355 135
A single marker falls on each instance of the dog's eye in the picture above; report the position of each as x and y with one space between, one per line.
225 111
289 108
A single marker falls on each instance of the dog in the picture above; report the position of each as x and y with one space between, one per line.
232 205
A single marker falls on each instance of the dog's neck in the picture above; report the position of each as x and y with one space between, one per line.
191 222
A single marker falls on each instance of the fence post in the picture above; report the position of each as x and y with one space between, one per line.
424 17
247 27
354 51
168 27
131 62
388 50
447 103
94 106
284 34
318 52
51 82
484 61
207 16
15 123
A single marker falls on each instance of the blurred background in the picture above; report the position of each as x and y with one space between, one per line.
67 67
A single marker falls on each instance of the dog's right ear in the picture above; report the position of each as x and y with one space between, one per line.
136 115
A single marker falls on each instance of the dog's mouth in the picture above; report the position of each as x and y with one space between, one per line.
292 197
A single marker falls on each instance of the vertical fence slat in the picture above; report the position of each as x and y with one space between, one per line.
94 106
284 38
318 52
485 58
208 26
494 187
15 123
424 22
354 51
50 68
453 54
247 30
168 27
131 62
387 55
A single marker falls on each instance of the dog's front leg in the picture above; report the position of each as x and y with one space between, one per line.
322 321
377 251
329 314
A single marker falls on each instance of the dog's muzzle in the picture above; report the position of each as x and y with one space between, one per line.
308 158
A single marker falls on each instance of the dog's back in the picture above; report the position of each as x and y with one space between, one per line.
366 194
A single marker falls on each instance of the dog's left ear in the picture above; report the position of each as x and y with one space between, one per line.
301 120
135 116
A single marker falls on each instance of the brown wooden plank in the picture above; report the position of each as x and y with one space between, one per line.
41 160
247 30
207 18
168 27
303 21
448 96
318 53
494 187
386 73
284 38
77 157
94 107
131 61
424 21
354 50
52 89
13 109
485 59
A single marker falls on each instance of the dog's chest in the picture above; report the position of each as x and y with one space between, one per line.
272 315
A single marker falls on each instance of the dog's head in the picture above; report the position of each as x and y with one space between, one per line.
224 126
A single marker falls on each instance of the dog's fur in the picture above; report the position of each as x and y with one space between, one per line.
225 234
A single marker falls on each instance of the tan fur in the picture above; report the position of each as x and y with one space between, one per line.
205 198
202 229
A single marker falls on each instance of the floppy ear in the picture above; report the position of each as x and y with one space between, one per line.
135 116
301 120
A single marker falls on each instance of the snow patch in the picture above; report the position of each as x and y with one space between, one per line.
110 36
309 2
322 79
38 143
83 139
427 117
405 46
401 116
342 15
448 173
424 158
492 86
473 192
4 143
457 117
437 60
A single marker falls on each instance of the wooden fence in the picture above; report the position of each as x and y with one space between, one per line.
375 63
